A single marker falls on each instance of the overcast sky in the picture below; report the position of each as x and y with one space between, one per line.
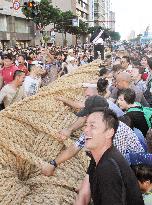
132 15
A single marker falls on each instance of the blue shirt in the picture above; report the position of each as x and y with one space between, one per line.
115 108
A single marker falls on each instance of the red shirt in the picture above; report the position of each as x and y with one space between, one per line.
7 73
23 68
144 76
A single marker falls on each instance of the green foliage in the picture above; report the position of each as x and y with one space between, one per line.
64 22
115 36
42 14
92 29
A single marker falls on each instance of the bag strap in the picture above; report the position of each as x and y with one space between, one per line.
140 109
123 185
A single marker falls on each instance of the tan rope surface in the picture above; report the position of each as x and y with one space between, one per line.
28 136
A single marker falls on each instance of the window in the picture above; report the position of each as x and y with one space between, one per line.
21 26
3 23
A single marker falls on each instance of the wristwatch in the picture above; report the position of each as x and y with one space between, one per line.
53 162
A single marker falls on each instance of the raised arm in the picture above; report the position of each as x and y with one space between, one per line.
71 103
65 133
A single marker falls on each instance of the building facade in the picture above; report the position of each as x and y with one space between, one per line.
107 13
15 28
103 14
112 21
80 8
99 13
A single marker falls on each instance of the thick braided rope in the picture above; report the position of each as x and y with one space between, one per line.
28 136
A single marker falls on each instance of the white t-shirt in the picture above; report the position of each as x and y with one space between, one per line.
31 85
9 94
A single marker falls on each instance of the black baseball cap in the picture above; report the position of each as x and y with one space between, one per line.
91 103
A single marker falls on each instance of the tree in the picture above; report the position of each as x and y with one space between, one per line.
115 36
92 29
64 22
42 14
82 29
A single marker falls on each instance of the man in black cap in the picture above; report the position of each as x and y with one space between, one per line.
92 102
125 140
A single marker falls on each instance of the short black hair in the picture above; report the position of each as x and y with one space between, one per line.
8 56
129 95
103 71
17 73
127 58
117 68
143 172
102 85
117 57
109 117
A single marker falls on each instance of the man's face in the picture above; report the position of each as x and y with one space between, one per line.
21 60
48 60
122 103
124 63
85 59
144 185
7 62
118 61
119 83
21 79
144 62
59 57
95 132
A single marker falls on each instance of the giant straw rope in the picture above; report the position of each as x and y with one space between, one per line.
28 136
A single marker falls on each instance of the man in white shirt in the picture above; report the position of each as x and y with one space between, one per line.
13 92
98 39
32 82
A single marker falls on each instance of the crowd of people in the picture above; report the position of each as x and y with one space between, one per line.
24 71
116 115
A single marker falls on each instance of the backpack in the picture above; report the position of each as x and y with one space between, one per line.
147 113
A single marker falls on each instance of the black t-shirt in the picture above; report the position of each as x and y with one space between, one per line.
138 121
106 182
